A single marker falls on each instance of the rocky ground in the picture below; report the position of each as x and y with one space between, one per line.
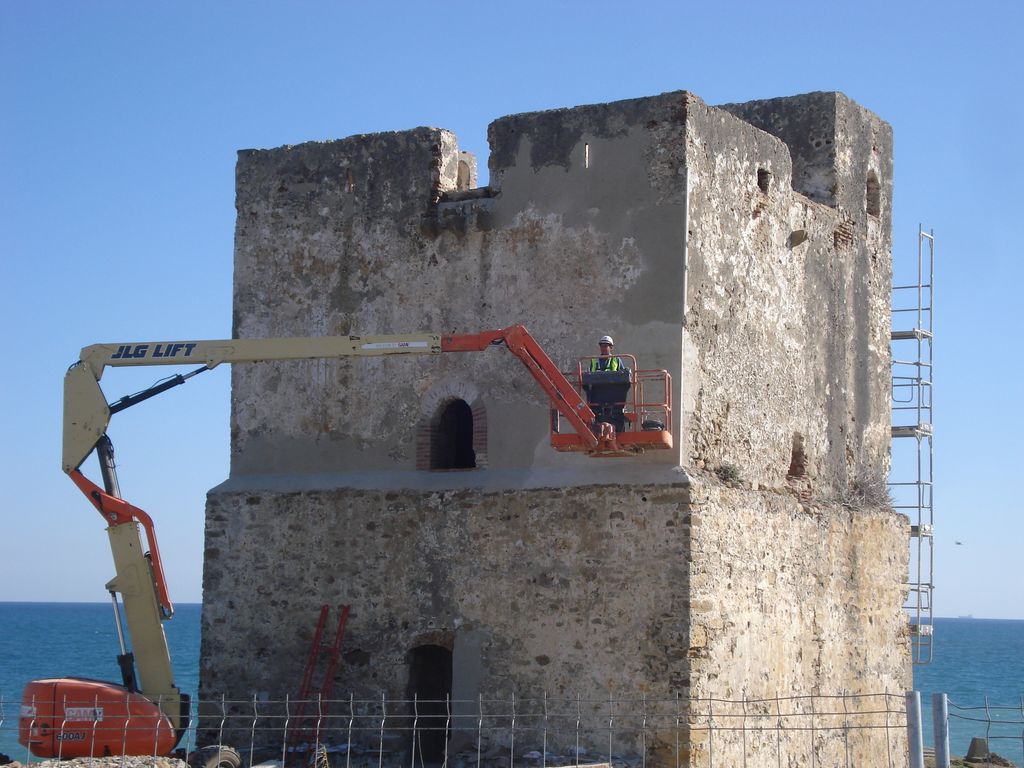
994 761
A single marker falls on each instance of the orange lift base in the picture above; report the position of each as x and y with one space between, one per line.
73 717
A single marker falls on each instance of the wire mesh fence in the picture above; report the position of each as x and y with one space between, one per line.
1001 725
845 729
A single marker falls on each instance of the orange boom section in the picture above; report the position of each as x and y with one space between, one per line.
610 414
75 717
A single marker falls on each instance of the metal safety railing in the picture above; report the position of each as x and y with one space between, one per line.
912 476
844 729
646 403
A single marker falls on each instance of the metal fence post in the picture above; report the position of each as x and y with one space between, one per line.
940 722
915 744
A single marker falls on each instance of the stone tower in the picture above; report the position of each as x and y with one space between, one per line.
745 249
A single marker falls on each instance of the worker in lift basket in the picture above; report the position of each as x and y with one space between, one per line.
606 361
609 411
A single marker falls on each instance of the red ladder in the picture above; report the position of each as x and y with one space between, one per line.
303 730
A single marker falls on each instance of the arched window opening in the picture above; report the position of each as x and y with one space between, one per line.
430 684
452 444
464 179
764 180
874 195
798 458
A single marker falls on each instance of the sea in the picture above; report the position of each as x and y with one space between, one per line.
976 662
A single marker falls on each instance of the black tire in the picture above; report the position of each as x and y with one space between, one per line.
215 756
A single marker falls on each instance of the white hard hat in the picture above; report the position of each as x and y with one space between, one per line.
606 340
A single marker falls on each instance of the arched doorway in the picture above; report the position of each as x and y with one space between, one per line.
452 443
430 684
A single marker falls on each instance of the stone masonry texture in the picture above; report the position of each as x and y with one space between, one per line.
745 249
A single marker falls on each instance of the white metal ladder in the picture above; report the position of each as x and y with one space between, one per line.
911 476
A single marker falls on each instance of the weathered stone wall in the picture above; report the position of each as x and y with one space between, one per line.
571 249
668 223
788 304
841 158
659 589
597 218
791 599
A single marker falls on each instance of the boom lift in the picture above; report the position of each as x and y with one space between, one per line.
147 714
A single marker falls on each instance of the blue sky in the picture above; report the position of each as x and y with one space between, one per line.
118 136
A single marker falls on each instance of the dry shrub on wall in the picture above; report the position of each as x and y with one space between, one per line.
729 474
868 488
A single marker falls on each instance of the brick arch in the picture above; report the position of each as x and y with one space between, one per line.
434 405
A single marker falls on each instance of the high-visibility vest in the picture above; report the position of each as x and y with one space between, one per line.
605 364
